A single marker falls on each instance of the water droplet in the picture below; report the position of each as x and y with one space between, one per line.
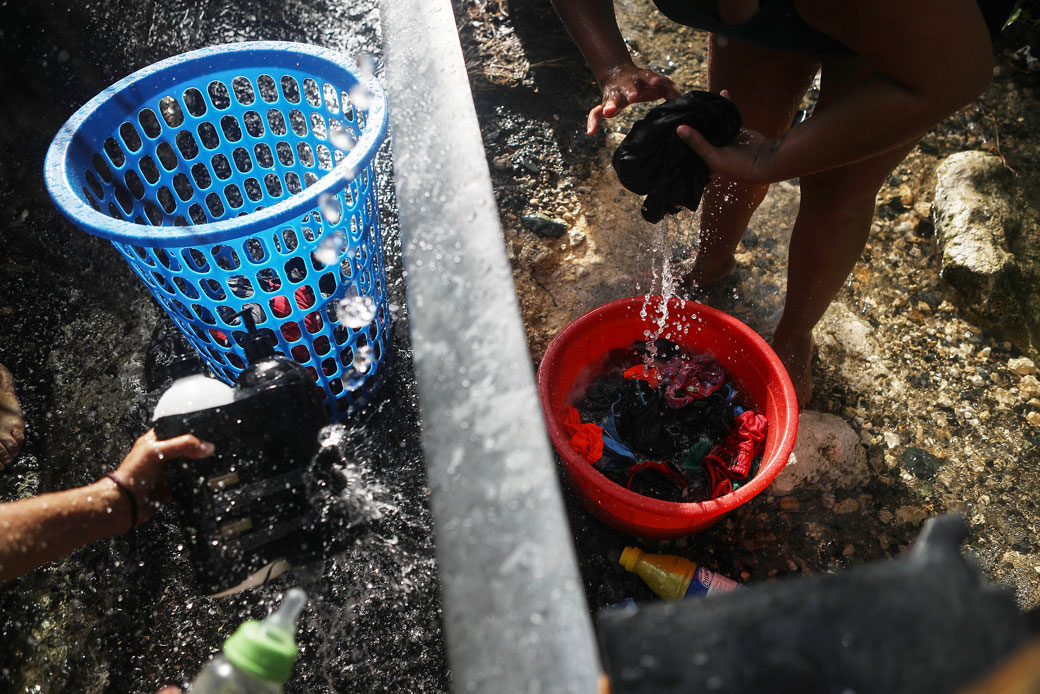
356 311
363 358
332 435
342 139
353 379
331 248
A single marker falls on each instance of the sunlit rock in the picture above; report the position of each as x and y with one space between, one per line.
827 455
989 236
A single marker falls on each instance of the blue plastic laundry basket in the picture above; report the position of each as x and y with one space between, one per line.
240 177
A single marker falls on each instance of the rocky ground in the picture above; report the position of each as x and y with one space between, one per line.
947 414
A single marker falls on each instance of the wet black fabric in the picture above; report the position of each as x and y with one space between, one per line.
654 162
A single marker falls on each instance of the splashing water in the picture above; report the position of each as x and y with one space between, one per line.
331 249
342 139
363 358
668 288
353 379
330 208
356 311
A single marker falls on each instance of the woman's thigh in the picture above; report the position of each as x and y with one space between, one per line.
767 86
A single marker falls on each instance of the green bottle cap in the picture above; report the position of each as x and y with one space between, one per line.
267 649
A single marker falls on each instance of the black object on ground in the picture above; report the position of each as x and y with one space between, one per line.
898 626
249 505
654 162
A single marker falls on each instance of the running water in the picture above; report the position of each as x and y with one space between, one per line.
664 285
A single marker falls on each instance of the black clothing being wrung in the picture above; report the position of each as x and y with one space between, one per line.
654 162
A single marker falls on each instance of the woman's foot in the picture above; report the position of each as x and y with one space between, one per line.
796 353
12 424
703 276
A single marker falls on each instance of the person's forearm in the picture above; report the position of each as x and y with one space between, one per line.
38 530
876 117
922 63
593 27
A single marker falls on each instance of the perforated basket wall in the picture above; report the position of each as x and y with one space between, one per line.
240 177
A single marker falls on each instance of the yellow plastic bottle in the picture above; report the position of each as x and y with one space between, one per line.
673 577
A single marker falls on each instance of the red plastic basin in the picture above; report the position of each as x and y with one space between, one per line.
749 362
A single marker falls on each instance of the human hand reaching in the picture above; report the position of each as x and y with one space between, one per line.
143 472
625 85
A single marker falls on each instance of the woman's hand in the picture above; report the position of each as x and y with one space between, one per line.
628 84
746 159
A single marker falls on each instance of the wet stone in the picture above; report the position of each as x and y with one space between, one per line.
920 462
544 226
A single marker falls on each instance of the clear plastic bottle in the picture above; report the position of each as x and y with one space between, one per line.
259 657
673 577
192 390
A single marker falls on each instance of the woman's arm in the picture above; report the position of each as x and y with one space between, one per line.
926 59
593 27
40 529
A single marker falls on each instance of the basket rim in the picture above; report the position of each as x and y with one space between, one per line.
73 207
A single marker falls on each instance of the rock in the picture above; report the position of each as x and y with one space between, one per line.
846 506
544 226
827 455
846 339
920 462
1022 366
989 237
1029 387
910 514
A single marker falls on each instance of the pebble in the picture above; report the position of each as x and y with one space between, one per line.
911 514
1022 366
885 516
544 226
1003 397
1033 418
789 503
846 506
1029 387
891 439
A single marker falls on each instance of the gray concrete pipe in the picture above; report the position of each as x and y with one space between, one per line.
515 614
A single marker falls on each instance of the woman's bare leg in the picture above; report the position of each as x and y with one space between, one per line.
767 86
834 218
